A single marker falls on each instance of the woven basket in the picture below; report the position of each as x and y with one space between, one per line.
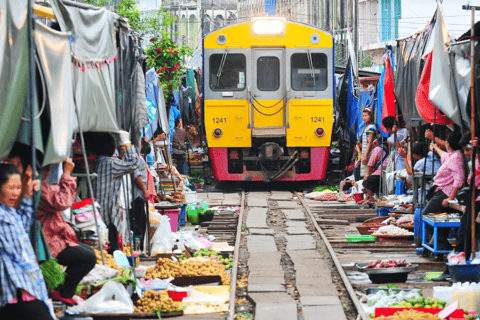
375 220
363 229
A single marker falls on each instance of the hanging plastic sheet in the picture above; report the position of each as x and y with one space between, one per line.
352 106
427 109
443 93
409 65
155 95
53 52
388 102
94 52
367 99
459 54
140 112
13 69
379 108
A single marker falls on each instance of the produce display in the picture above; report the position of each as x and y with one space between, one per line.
197 266
420 303
326 188
153 301
405 221
409 315
392 230
387 297
213 255
387 264
327 197
109 260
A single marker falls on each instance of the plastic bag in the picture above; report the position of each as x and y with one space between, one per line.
98 274
163 230
456 258
112 298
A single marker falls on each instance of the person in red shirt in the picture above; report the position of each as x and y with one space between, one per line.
61 238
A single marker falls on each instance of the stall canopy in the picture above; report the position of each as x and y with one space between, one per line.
55 64
13 69
94 51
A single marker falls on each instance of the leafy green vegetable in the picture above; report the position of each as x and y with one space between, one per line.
323 188
388 286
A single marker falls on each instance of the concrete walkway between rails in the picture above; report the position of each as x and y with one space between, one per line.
267 287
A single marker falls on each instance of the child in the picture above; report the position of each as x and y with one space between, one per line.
368 136
371 182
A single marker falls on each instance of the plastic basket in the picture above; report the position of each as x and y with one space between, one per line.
383 211
177 295
465 272
359 238
173 215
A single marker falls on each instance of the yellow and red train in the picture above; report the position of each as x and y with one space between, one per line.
269 89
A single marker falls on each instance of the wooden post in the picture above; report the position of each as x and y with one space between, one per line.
472 128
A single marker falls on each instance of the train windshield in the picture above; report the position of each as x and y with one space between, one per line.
309 71
268 74
227 72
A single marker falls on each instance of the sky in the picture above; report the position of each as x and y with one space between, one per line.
417 13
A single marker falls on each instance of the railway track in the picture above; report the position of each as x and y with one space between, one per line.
291 254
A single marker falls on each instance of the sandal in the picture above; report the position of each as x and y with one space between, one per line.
56 295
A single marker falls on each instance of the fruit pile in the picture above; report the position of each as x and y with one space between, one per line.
197 266
420 303
409 315
213 255
109 260
153 300
327 197
387 264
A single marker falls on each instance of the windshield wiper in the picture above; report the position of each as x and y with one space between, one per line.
310 64
222 63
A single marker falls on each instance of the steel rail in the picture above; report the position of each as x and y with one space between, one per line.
361 313
233 284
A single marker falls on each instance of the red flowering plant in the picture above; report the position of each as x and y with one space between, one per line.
166 57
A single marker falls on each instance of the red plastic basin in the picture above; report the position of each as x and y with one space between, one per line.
177 295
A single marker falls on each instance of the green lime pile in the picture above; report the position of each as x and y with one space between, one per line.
227 262
420 302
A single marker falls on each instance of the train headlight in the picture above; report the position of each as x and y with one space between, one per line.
319 132
268 26
217 133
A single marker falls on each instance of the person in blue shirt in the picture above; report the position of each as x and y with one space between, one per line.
23 293
390 125
425 160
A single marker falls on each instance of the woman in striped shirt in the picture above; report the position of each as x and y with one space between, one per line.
23 294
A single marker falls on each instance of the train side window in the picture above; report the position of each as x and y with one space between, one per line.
227 72
309 75
268 73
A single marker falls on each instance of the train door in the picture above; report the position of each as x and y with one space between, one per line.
268 93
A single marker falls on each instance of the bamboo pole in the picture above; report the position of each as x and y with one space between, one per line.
472 128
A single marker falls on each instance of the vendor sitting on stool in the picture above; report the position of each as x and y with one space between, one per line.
371 182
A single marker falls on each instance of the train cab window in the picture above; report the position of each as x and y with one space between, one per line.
227 72
268 73
309 71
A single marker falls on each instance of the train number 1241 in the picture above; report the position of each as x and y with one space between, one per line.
219 120
318 119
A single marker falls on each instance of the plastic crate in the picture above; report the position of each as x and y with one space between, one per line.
383 211
464 272
359 238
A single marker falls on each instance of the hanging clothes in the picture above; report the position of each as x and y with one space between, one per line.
190 79
155 95
140 112
388 104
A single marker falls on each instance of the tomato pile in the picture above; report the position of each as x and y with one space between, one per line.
387 264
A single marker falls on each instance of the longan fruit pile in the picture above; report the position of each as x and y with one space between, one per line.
109 260
166 268
153 300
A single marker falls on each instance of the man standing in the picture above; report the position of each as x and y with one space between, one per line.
178 146
107 185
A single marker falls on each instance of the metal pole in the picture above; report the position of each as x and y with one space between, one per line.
31 104
472 129
355 45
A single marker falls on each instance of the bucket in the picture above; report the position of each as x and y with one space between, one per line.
358 197
190 196
399 187
173 215
383 211
417 224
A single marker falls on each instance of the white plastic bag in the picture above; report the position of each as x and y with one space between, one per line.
112 298
99 273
